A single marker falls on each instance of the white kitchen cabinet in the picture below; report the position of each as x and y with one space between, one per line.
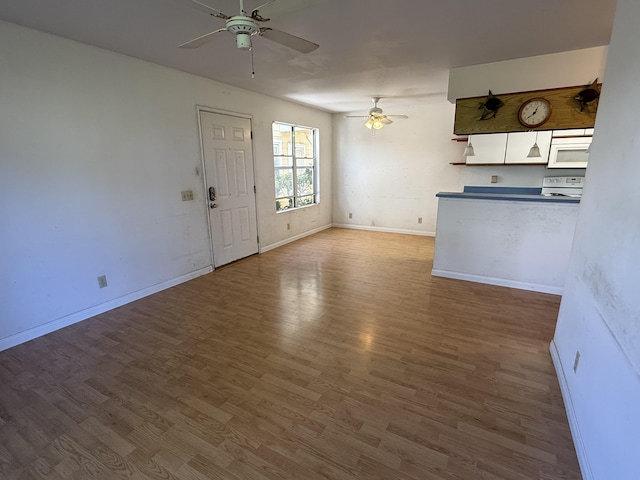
573 132
511 148
488 148
519 144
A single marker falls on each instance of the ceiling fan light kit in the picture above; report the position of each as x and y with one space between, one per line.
376 119
376 124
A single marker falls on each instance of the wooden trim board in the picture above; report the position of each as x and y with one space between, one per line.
565 112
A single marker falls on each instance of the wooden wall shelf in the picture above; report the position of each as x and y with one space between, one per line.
565 112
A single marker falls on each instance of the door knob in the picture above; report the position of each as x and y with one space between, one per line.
213 205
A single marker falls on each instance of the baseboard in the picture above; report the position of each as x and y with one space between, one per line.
40 330
387 230
571 414
293 239
502 282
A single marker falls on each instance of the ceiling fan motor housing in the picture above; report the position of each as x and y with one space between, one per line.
243 28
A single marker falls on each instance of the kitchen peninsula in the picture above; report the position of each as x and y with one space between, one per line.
506 236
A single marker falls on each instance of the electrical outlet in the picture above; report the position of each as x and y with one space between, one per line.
288 226
575 362
102 281
187 195
419 219
494 179
350 215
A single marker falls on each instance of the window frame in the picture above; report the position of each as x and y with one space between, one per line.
297 162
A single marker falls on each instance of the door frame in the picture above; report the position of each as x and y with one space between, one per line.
203 184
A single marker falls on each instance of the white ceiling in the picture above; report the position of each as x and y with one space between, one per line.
400 50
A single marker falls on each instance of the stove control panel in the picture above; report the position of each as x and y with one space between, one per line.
563 182
564 186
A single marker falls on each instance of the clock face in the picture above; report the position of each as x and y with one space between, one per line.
534 112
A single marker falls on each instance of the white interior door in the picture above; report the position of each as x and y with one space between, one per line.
228 163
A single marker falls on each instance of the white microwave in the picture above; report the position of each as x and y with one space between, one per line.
569 152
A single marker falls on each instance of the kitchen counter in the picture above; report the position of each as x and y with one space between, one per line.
509 236
524 194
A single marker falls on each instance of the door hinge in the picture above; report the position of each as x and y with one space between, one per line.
258 238
254 189
251 134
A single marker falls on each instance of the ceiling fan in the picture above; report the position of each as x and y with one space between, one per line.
244 26
376 119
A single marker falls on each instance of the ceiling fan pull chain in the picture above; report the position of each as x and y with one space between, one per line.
253 70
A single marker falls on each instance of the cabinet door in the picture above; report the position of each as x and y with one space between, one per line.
519 144
488 148
572 132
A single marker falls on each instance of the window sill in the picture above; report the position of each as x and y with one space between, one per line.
297 208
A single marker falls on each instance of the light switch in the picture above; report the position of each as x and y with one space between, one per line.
187 195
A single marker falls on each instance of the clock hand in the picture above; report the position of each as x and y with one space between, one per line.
534 112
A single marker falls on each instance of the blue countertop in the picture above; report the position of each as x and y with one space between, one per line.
524 194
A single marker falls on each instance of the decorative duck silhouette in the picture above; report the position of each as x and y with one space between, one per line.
490 106
588 95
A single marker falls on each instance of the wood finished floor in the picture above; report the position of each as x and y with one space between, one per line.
334 357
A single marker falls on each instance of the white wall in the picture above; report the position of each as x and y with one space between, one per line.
95 148
389 179
513 175
600 311
564 69
514 243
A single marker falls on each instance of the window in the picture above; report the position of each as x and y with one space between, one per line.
295 161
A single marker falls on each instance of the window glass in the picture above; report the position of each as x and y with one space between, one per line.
295 161
284 182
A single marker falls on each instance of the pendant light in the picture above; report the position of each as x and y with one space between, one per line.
534 152
468 151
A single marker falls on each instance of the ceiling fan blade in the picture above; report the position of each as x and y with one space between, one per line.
288 40
255 14
206 8
197 42
386 120
397 116
286 8
356 116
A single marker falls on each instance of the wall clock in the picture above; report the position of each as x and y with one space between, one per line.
534 112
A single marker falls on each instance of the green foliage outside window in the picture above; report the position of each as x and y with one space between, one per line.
295 165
